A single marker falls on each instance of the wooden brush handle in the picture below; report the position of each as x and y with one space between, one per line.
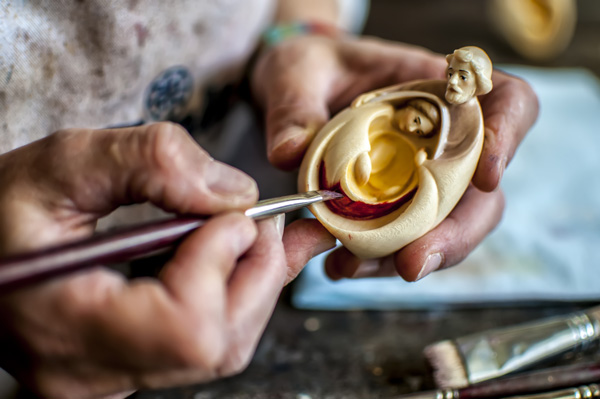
105 248
129 243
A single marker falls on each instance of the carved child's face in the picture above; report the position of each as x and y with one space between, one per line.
411 120
462 82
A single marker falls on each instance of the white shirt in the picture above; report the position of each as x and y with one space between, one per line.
100 63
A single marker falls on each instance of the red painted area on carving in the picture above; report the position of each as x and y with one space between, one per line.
358 210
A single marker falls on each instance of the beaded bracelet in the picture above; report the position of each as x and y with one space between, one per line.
278 33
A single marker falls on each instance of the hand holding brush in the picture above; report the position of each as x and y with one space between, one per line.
93 332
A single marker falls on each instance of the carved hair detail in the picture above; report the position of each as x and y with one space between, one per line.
481 64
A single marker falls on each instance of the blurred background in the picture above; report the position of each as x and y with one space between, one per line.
442 26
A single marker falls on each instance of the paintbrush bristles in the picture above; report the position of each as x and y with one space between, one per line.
448 368
329 195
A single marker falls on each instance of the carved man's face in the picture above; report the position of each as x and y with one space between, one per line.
462 82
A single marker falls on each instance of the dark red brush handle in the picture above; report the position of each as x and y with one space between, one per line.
129 243
110 247
535 381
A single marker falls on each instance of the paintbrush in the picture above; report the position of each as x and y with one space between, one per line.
129 243
590 391
491 354
520 384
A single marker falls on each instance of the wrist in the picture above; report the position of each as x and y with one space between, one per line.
323 11
349 15
287 30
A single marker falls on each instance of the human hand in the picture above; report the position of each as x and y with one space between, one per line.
94 333
301 81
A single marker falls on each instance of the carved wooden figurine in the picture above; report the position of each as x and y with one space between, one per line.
402 156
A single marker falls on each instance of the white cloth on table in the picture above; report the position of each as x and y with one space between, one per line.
546 246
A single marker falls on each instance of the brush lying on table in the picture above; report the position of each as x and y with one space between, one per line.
591 391
129 243
530 383
491 354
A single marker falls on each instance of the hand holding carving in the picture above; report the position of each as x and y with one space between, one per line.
327 75
402 156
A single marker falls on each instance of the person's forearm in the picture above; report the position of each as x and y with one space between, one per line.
325 11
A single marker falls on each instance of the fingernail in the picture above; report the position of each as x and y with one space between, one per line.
279 221
227 180
291 134
367 268
432 263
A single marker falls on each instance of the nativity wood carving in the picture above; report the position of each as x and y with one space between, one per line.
402 156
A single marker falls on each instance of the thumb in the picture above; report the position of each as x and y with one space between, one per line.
58 186
293 84
159 163
162 164
291 125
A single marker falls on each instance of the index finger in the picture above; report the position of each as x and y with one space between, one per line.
509 111
252 293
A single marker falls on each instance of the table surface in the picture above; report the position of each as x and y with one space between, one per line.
368 354
350 355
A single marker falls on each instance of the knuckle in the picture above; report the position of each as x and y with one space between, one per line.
523 90
65 138
44 387
288 100
295 109
500 205
164 142
287 52
276 263
199 348
73 300
49 384
82 298
239 365
238 359
67 141
524 87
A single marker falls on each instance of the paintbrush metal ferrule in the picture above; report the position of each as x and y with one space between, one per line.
272 207
439 394
495 353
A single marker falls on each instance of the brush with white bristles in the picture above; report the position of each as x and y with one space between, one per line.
491 354
448 367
